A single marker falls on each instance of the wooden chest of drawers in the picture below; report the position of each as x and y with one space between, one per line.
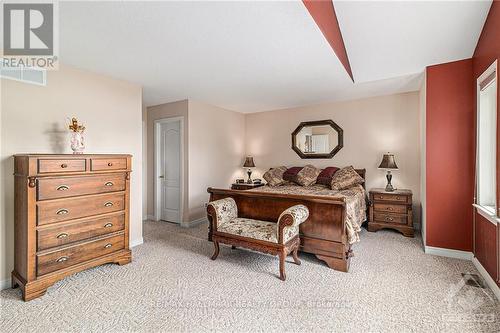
391 210
71 214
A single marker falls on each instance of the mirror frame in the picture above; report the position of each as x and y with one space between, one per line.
327 122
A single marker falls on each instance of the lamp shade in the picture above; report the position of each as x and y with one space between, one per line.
249 162
388 162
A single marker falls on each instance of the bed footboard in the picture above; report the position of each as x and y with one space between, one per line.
323 234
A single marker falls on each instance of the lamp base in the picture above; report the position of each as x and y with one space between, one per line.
389 187
249 172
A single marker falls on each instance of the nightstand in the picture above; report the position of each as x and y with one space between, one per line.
245 186
391 210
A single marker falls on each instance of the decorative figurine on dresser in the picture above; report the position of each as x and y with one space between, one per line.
391 210
71 214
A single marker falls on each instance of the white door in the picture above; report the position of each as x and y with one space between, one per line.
170 171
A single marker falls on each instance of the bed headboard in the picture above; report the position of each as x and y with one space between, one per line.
362 173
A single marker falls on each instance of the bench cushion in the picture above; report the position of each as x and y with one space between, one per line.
255 229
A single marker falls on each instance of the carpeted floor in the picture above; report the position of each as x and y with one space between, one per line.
172 285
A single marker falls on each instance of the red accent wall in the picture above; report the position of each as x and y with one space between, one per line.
486 240
323 13
450 136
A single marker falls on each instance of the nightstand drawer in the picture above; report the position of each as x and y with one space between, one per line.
390 197
390 218
401 209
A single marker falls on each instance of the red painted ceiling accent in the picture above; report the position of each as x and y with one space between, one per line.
323 13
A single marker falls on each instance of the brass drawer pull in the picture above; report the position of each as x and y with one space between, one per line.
108 225
62 259
63 188
389 219
108 204
107 246
109 184
62 235
398 198
64 165
390 208
62 212
110 164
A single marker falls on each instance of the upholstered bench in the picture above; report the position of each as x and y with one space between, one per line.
281 238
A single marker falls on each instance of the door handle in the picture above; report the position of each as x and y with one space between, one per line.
161 177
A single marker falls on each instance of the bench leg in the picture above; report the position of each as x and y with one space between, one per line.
282 256
295 256
233 247
216 250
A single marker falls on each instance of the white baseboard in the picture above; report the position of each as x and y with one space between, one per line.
136 242
5 284
442 252
489 280
194 223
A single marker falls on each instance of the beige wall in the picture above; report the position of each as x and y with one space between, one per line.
216 152
34 120
371 127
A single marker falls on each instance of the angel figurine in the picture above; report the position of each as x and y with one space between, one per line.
77 142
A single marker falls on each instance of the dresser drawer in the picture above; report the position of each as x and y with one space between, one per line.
61 165
53 261
53 188
79 230
58 210
100 164
390 218
401 209
390 197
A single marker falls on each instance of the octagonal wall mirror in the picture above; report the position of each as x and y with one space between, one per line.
317 139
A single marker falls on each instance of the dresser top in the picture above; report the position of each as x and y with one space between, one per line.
396 191
67 155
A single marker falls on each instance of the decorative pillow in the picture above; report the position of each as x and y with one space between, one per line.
307 176
274 176
345 178
290 174
326 175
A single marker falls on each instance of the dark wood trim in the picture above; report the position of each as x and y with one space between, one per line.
326 122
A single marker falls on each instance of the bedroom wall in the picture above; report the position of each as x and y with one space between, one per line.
167 110
487 239
372 126
450 136
216 152
423 142
34 120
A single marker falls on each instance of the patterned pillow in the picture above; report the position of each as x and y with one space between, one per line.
274 176
345 178
307 176
290 174
326 175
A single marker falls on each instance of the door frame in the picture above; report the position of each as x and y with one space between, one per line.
157 186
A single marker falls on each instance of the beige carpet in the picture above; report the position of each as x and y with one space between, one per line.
172 285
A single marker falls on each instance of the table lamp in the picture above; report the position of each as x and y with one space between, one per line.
388 163
249 164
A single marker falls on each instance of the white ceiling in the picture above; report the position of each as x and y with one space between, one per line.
393 38
256 56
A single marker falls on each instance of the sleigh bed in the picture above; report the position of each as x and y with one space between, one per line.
334 219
